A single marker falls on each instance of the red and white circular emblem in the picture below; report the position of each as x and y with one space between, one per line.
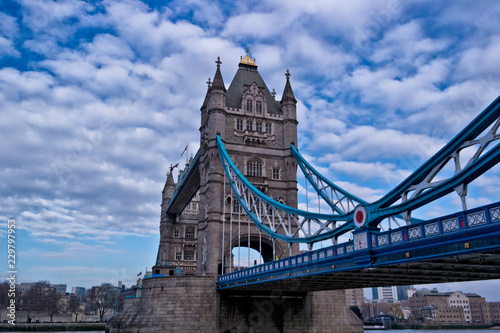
360 214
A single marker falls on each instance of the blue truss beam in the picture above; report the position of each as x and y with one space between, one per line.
419 182
470 132
230 168
304 166
382 207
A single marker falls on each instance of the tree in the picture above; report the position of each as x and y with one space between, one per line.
357 311
102 299
51 302
396 311
74 306
41 298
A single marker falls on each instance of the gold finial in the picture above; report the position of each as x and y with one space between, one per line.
247 60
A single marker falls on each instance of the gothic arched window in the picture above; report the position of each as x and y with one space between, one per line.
239 124
249 105
258 107
269 129
188 255
276 173
190 232
254 168
258 126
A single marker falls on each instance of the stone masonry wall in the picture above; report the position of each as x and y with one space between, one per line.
327 312
318 312
173 304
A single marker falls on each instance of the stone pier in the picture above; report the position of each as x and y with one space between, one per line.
189 304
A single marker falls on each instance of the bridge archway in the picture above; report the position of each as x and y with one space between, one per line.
244 257
261 244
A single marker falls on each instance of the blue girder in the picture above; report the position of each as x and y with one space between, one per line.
308 169
230 168
305 166
382 208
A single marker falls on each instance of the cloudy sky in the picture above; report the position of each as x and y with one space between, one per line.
98 98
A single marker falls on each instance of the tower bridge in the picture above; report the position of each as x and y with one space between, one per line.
240 190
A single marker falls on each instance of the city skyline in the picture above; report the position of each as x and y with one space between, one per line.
98 99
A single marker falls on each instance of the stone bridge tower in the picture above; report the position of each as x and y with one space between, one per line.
257 131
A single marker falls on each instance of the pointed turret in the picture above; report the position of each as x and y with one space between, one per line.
289 109
168 188
214 104
170 180
218 81
288 95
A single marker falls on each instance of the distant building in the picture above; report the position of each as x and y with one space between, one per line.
374 308
24 287
354 297
404 292
495 312
79 291
460 300
60 288
385 293
410 292
450 307
429 313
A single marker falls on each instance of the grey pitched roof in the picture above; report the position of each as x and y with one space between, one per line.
245 76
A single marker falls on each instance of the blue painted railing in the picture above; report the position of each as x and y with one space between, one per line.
456 223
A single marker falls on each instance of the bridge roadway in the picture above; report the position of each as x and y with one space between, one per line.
188 185
461 247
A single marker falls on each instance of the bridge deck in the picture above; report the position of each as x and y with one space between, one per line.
187 187
460 247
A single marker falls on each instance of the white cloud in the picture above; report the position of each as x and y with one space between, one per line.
384 171
369 143
406 44
7 48
394 90
8 26
480 60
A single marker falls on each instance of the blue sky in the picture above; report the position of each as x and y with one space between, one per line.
98 98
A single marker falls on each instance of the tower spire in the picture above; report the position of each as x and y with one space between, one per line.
288 92
218 82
